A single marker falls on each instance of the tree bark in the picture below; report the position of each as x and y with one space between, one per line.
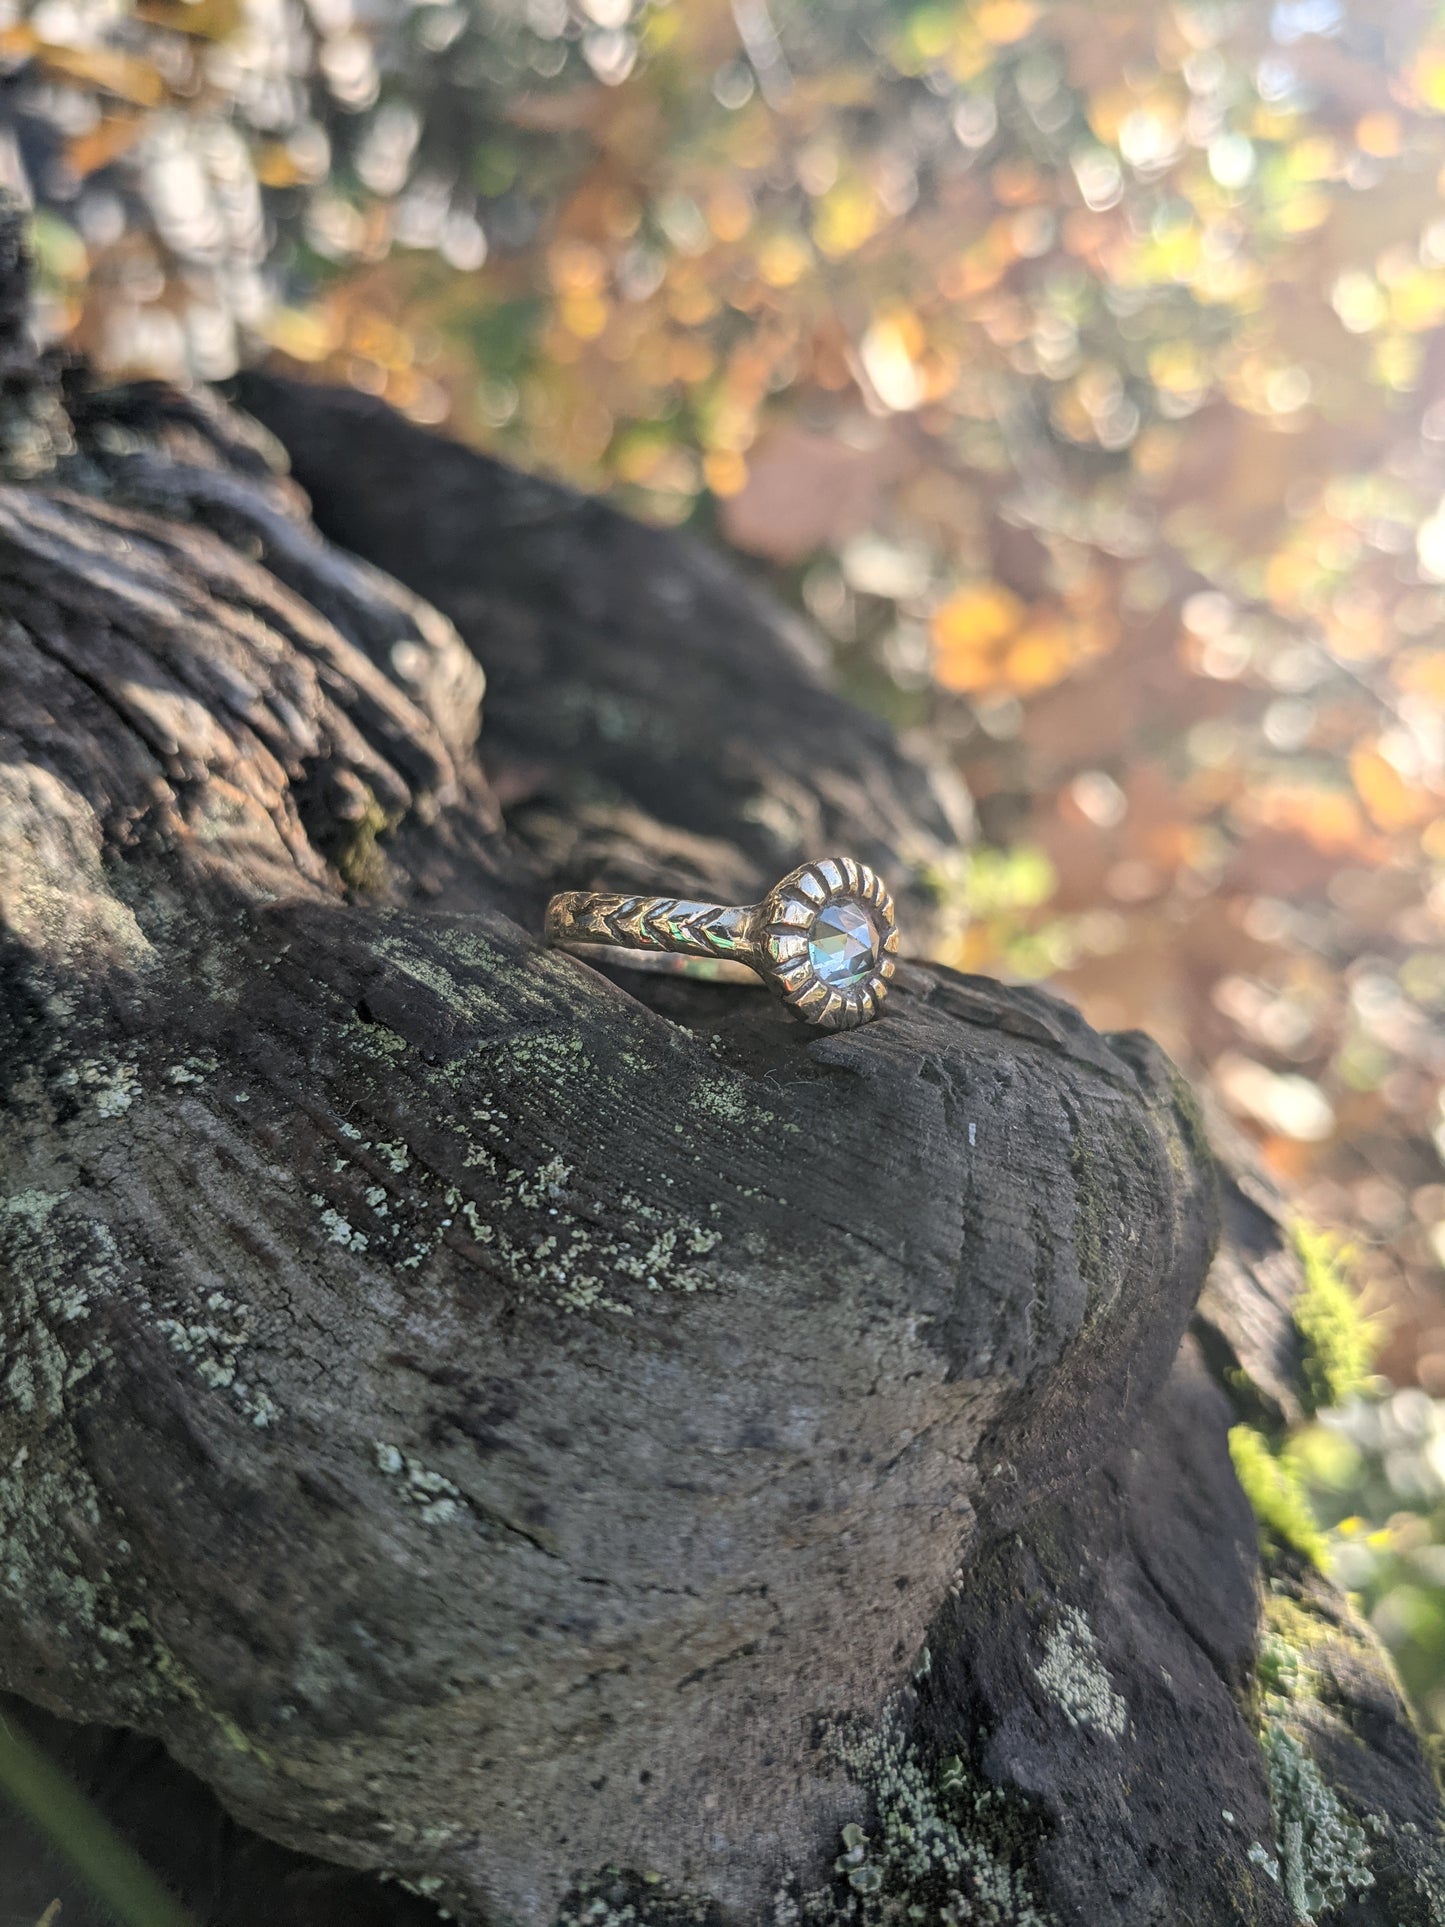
568 1443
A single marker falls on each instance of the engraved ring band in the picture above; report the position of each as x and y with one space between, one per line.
824 940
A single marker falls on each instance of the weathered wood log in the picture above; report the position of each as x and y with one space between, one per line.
575 1447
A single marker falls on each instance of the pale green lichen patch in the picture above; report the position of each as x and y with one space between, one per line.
727 1100
195 1069
1328 1850
54 1262
541 1187
1324 1856
213 1342
338 1230
112 1088
34 1207
547 1054
1075 1679
942 1849
618 1899
436 1498
540 1227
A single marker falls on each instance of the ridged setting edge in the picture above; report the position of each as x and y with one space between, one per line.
786 920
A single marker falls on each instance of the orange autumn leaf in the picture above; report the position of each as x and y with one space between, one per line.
986 641
1329 819
106 69
200 19
105 142
1393 801
1004 21
1041 655
1423 675
969 633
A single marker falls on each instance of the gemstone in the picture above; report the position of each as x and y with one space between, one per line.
842 945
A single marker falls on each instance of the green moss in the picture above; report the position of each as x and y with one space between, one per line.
1287 1639
1276 1493
354 849
1339 1341
1191 1148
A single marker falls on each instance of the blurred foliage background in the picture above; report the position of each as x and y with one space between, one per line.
1079 368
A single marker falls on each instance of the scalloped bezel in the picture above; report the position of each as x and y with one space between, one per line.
786 917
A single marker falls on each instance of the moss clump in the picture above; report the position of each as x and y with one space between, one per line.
1339 1341
353 847
1289 1635
1276 1493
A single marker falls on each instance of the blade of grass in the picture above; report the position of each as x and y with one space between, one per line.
76 1829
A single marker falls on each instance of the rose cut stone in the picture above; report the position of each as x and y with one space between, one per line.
843 945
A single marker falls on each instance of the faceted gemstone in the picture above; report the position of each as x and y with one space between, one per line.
842 945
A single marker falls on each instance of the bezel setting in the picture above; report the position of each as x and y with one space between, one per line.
786 918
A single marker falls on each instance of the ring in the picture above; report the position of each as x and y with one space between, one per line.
824 940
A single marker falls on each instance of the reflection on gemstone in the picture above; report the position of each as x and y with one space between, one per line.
842 945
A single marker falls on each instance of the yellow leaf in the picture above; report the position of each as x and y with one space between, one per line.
1394 803
784 259
123 75
847 216
1042 655
725 471
1004 21
305 336
1430 78
201 19
1423 675
275 166
1378 134
583 315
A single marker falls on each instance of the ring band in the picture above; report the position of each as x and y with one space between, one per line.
824 939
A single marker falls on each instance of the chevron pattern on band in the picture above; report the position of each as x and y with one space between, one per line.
662 923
